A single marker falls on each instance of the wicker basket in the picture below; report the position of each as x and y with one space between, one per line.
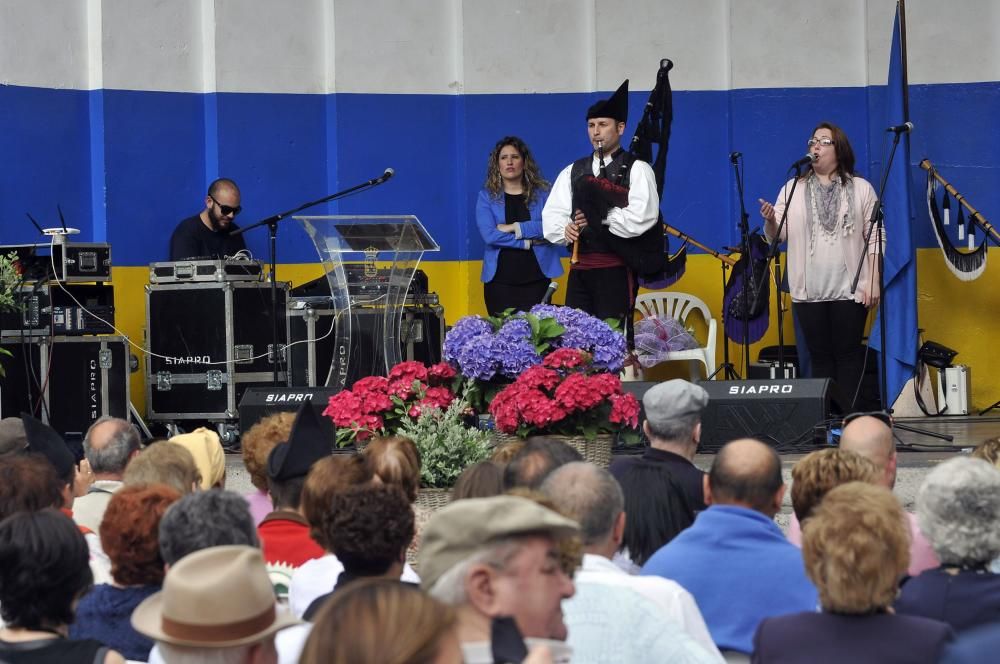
597 451
433 499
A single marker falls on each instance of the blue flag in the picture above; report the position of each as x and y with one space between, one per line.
900 281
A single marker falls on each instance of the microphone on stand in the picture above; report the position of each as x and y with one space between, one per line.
734 156
389 172
808 159
549 292
901 129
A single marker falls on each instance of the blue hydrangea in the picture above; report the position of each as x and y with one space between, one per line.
588 333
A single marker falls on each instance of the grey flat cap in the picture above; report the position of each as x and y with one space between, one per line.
672 399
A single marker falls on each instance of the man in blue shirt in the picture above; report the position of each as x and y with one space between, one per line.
735 560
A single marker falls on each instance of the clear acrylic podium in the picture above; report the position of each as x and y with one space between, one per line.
385 251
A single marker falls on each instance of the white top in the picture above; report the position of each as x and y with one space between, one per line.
677 605
89 510
318 577
642 212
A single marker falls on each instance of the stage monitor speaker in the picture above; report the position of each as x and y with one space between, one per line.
783 413
638 388
260 402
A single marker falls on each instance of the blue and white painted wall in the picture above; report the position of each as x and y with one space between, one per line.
123 110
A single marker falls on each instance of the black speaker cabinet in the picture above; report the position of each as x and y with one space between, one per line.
260 402
209 342
781 412
67 382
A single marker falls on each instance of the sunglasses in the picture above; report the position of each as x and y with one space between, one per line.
880 415
226 209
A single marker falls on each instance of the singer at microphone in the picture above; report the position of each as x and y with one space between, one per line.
825 229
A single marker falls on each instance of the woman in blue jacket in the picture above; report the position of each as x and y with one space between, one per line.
518 263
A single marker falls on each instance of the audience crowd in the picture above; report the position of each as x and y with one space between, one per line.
138 552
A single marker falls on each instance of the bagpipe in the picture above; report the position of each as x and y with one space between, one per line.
649 254
970 263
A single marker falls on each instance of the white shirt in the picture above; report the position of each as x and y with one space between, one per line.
642 212
675 603
318 577
89 510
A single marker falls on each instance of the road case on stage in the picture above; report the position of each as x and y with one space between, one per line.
67 382
208 342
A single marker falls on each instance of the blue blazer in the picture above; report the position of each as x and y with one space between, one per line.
492 211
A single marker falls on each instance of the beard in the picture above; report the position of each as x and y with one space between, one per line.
219 224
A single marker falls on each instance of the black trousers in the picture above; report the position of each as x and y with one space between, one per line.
601 292
833 331
519 297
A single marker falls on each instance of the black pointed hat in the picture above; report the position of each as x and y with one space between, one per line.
44 440
307 443
615 106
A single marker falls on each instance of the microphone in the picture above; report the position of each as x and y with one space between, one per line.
389 172
733 156
808 159
549 292
901 129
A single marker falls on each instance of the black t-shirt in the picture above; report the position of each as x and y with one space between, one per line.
517 266
193 239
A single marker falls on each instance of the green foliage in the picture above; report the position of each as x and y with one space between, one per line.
447 445
10 279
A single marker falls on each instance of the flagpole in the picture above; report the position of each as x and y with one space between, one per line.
901 7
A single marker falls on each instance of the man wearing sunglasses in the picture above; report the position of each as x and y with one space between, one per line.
207 234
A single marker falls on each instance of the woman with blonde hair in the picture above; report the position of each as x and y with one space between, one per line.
518 263
856 547
383 621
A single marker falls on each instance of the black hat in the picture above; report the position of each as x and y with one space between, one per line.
307 443
615 106
44 440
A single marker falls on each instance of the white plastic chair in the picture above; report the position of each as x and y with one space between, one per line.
679 306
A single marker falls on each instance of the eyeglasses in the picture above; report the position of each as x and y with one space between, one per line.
825 142
879 415
226 209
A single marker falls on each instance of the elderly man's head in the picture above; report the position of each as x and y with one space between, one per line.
746 473
109 445
673 415
856 546
958 509
205 519
592 496
819 472
498 556
871 437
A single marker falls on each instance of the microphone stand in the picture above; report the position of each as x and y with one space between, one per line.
272 225
876 224
772 256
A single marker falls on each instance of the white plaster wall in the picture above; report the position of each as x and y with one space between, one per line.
776 43
44 44
389 46
152 45
269 46
520 46
635 36
484 46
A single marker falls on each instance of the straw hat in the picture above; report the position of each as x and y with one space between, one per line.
214 598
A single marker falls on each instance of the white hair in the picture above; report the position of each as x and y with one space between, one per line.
200 655
450 586
958 509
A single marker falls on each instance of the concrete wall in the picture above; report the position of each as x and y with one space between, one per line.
123 110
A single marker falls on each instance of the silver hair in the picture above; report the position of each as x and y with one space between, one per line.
958 509
113 455
195 655
204 519
589 494
450 586
680 428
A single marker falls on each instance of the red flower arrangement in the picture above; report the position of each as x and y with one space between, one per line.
376 405
565 395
